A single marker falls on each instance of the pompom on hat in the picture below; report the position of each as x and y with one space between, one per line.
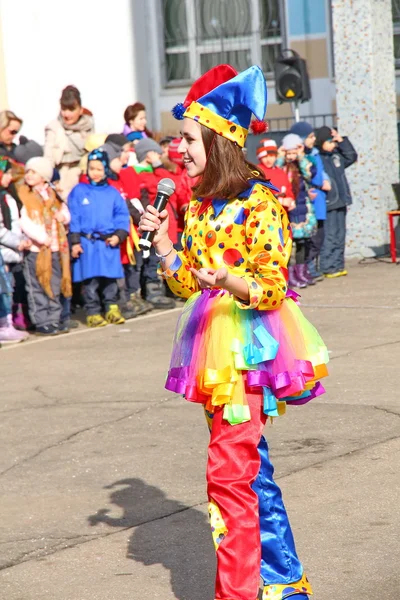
224 101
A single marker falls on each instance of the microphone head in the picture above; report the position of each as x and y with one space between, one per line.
166 186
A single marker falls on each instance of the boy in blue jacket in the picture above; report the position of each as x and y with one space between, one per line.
337 153
99 223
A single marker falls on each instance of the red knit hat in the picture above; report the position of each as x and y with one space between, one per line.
173 153
265 147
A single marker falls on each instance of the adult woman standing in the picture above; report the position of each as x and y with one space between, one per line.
65 138
135 127
242 347
10 125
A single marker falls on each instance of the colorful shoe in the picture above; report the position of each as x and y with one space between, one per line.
113 315
95 321
336 274
343 273
10 335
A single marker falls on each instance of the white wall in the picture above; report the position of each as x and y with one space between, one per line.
49 44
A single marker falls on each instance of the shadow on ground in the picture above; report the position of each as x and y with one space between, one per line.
166 532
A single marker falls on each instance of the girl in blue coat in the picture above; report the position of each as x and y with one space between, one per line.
99 223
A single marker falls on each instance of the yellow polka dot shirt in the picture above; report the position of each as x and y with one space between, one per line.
250 236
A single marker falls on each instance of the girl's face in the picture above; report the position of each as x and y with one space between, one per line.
192 148
139 122
269 160
309 142
96 171
70 116
5 179
33 179
291 155
8 134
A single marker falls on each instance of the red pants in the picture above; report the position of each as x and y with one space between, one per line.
233 465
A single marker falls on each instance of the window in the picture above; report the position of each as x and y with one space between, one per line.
396 31
199 34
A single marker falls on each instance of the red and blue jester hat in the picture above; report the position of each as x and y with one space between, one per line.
224 101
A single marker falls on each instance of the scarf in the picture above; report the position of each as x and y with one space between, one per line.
102 156
42 211
85 123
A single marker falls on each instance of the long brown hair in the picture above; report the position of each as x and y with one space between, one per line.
227 171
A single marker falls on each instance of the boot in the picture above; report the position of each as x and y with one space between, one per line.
21 318
8 334
113 315
300 274
155 294
141 306
95 321
308 275
293 281
128 311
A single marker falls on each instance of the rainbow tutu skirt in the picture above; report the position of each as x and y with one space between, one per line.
220 350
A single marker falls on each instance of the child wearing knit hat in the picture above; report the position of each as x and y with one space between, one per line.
319 186
300 171
44 218
267 154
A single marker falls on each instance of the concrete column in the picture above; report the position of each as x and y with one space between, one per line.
366 107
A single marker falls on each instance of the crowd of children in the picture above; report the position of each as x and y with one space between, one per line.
70 211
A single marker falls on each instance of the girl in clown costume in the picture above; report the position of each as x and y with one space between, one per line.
242 347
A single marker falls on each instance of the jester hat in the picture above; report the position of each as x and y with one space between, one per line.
227 106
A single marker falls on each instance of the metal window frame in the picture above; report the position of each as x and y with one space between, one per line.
252 42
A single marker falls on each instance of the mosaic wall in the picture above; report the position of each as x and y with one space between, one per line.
366 106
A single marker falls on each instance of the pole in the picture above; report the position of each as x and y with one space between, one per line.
296 112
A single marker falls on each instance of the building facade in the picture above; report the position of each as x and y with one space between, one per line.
151 50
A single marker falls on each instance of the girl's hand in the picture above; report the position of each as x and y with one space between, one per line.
312 194
59 216
326 186
300 152
336 137
112 241
24 245
208 278
152 220
76 250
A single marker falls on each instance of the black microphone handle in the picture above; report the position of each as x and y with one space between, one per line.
160 204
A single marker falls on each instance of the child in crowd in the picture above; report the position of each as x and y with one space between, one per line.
135 127
46 265
319 185
99 223
267 154
10 206
337 154
151 171
11 247
299 170
127 182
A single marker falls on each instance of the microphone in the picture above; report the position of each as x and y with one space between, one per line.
165 189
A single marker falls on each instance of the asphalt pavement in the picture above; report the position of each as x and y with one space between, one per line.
102 471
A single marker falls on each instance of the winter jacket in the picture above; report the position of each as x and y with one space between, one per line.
279 179
307 172
65 147
150 178
319 202
335 164
97 211
11 255
7 150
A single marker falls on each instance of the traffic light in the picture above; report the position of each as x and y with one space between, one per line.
292 83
